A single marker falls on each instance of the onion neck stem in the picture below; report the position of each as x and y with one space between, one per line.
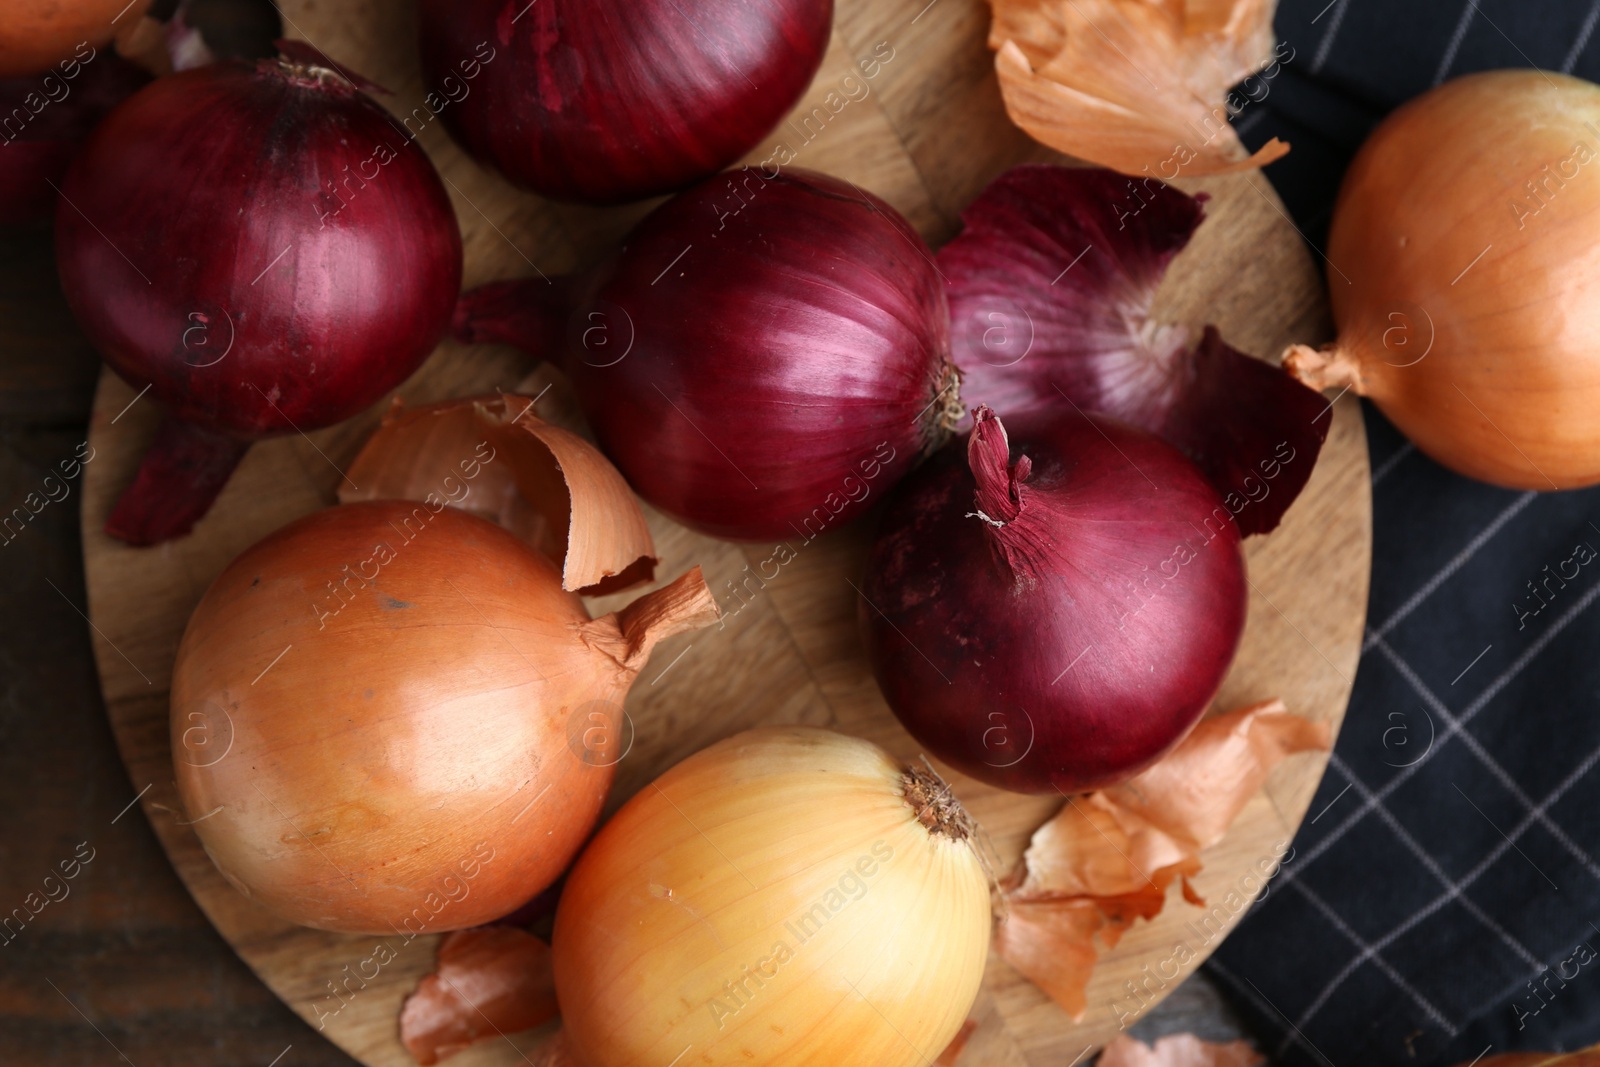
1329 367
527 313
935 805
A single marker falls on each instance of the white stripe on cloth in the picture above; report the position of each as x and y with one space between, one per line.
1582 42
1476 748
1501 681
1400 453
1448 60
1433 867
1456 891
1325 45
1368 952
1455 564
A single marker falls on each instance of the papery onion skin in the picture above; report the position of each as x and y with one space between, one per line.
211 256
692 887
1465 278
37 34
34 156
605 101
1064 643
756 373
351 748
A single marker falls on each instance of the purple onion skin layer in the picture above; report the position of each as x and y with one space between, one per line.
1067 648
263 247
605 101
783 366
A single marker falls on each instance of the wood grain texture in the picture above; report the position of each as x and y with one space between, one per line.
927 137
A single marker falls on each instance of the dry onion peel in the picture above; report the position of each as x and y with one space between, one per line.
1141 86
1051 283
1108 858
790 897
598 533
1178 1050
1465 278
490 981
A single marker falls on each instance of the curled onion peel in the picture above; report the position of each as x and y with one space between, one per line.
1051 284
612 100
745 369
226 252
393 717
1107 859
490 981
1465 278
1138 86
789 896
1059 621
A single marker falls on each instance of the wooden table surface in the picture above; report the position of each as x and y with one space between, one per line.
124 968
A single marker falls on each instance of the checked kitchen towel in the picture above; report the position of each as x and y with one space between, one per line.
1443 898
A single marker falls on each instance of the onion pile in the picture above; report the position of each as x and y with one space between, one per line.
393 716
47 117
755 372
1465 278
37 34
261 247
606 101
1060 621
789 897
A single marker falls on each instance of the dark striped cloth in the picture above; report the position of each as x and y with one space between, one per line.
1443 897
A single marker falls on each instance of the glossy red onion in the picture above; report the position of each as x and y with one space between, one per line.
1057 622
266 250
44 119
756 372
611 100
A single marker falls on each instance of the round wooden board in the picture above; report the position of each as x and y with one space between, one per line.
928 136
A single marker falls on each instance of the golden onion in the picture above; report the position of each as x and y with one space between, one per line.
1465 278
789 896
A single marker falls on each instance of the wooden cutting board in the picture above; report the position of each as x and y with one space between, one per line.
928 136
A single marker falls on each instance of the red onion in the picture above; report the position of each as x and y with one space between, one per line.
262 247
1051 283
44 118
755 371
606 100
1060 622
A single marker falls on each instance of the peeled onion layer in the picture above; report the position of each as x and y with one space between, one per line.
490 981
749 369
1108 858
553 490
790 897
394 716
1178 1050
227 253
1137 86
1465 278
1058 620
1051 283
606 101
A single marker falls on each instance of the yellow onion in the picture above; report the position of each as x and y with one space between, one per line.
1465 278
788 897
394 716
